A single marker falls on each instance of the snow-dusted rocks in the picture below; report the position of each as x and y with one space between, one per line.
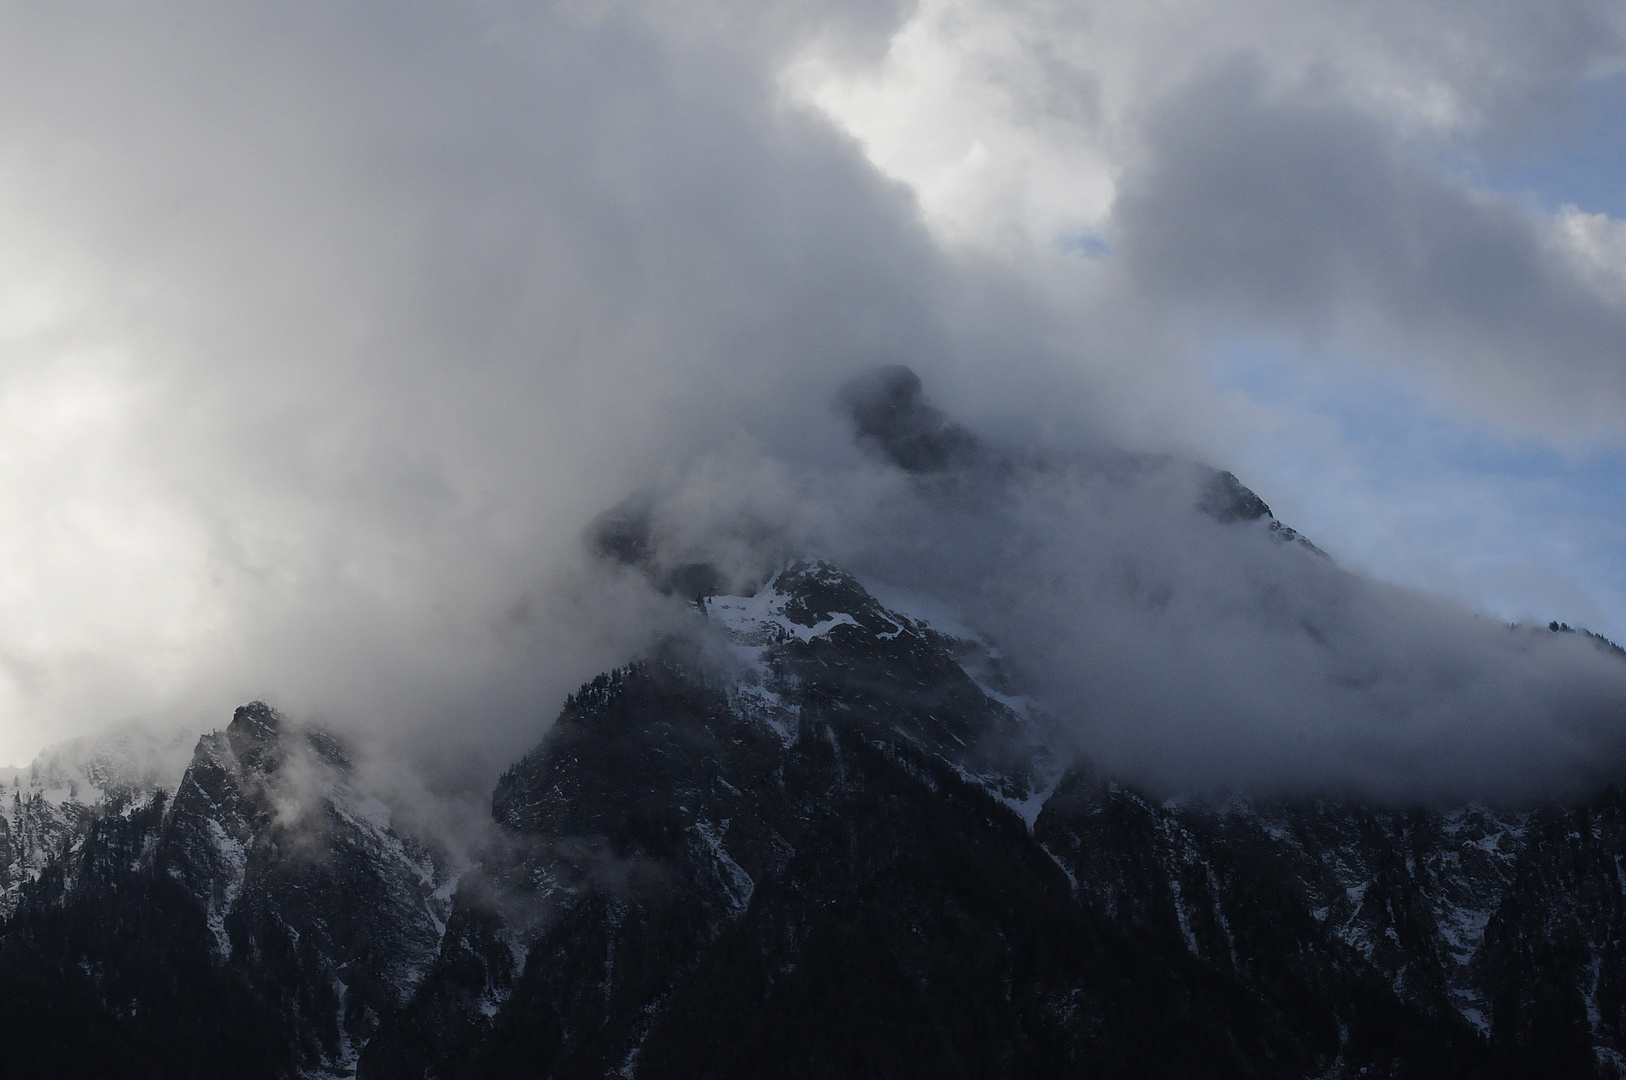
46 807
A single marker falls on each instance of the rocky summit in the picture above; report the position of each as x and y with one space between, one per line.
820 837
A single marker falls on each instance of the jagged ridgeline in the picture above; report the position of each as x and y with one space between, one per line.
259 920
819 835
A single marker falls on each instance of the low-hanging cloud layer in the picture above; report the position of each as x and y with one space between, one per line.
328 332
1178 635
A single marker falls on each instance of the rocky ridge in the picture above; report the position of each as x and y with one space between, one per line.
260 919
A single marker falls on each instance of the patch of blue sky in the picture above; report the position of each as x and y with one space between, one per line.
1084 244
1390 483
1573 156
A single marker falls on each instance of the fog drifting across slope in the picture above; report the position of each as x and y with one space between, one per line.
1181 636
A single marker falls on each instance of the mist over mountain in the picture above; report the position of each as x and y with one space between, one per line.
811 831
1180 634
993 813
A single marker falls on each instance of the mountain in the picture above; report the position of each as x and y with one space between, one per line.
818 830
822 841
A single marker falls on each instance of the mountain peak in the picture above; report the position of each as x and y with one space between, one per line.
1226 499
889 408
255 734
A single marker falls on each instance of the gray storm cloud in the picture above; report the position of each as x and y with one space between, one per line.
329 331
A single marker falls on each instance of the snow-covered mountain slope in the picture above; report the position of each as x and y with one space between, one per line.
773 633
1507 920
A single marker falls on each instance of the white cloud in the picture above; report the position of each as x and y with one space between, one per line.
1595 244
1266 167
1013 119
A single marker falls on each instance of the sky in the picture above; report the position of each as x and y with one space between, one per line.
325 332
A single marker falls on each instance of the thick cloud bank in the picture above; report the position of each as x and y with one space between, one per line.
329 331
333 327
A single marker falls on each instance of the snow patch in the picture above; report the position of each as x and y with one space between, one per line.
1463 931
1477 1018
231 857
760 620
737 884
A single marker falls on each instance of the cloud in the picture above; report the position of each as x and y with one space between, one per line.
1018 116
1264 167
342 324
328 334
1308 218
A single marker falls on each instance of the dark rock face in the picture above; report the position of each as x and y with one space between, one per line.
890 412
841 850
1225 500
625 535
